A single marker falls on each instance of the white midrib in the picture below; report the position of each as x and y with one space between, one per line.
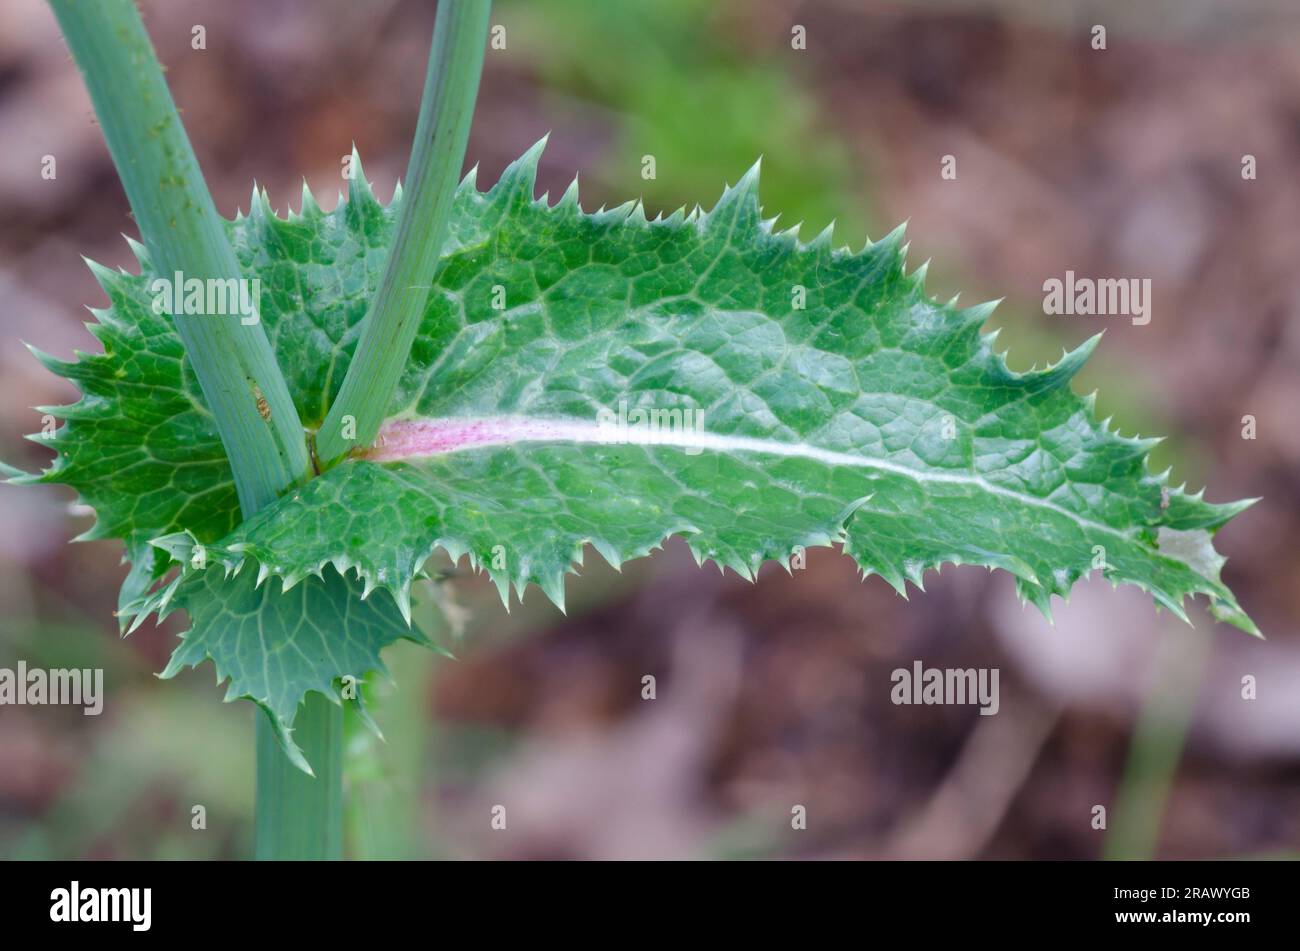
406 439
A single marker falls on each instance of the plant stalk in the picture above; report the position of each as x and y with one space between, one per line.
1156 749
182 232
297 816
300 816
438 151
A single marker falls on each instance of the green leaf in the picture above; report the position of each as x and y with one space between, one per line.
871 416
139 446
274 646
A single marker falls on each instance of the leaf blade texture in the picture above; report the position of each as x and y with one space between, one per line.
601 378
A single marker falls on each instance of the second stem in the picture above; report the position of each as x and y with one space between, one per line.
446 110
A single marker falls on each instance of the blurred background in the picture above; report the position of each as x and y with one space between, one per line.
1123 162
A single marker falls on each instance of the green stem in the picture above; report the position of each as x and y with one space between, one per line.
300 816
297 816
1156 748
182 232
384 814
450 88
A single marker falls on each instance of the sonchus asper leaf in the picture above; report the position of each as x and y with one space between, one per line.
604 379
274 646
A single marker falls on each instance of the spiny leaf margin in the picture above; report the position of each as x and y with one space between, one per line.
323 631
1176 533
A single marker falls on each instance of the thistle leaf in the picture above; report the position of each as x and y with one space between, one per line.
604 379
275 646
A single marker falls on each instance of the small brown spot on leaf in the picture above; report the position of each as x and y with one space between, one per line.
263 407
